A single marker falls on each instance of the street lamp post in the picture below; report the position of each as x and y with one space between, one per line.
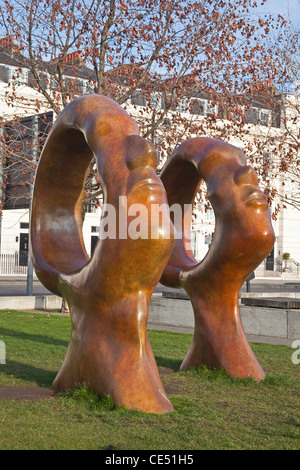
35 131
1 181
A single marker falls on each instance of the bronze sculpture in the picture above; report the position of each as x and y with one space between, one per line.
108 295
243 238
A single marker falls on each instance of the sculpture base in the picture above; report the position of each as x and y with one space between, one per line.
220 342
110 352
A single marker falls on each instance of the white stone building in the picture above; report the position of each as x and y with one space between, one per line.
15 222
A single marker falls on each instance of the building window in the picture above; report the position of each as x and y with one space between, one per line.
183 106
197 107
24 225
83 86
264 117
210 215
91 208
202 107
48 81
155 99
252 115
138 99
90 86
17 76
258 116
210 109
78 85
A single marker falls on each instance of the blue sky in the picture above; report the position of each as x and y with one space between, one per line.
289 8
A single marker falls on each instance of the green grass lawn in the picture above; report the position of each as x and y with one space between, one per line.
212 410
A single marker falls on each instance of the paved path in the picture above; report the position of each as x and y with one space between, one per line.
17 286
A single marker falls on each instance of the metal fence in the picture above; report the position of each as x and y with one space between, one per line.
287 266
291 266
13 263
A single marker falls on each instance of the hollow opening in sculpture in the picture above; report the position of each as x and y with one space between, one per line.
203 223
59 190
92 205
182 182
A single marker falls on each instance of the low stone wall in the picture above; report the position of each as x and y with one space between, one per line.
255 295
268 321
178 312
260 321
171 312
42 302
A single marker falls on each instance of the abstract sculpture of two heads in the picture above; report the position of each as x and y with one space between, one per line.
109 293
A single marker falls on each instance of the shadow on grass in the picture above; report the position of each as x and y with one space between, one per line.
39 376
33 337
173 364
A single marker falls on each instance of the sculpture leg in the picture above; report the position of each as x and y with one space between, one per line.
110 351
219 339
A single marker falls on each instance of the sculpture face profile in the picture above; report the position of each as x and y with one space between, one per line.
108 295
